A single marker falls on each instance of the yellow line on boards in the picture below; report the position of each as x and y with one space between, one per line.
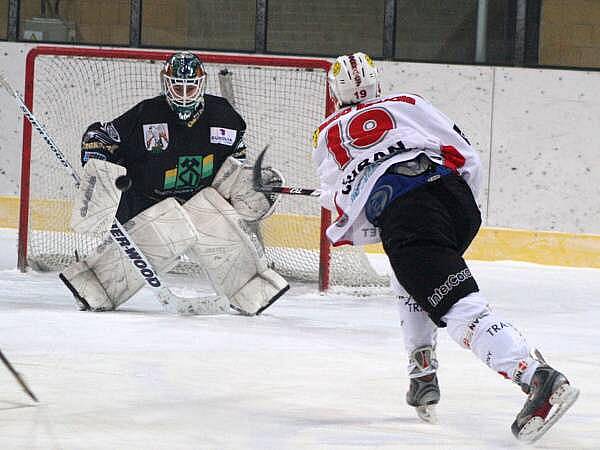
49 215
542 247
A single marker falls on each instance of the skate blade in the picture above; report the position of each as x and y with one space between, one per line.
427 413
562 400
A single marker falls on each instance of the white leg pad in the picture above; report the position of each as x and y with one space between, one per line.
107 279
475 326
231 254
85 287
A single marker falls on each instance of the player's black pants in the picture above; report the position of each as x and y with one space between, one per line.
425 233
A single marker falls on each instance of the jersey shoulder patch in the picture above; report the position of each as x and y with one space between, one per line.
156 137
224 136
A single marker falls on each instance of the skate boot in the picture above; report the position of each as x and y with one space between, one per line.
549 396
424 392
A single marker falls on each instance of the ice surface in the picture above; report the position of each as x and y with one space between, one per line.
313 372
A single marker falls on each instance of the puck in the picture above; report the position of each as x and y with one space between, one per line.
123 183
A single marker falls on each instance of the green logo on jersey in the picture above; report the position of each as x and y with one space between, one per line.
189 172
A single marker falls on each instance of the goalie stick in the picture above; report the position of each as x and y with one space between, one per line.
289 190
18 377
197 305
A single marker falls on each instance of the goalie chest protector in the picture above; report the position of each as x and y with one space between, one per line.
168 157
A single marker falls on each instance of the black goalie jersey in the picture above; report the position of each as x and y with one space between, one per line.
165 156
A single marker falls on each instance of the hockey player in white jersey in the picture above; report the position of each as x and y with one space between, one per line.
397 170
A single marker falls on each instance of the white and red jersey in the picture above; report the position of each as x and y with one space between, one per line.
354 146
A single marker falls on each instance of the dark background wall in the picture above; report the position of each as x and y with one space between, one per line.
557 32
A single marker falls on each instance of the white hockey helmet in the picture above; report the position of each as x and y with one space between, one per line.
353 79
184 82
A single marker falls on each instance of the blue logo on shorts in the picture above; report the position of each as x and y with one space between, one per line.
377 202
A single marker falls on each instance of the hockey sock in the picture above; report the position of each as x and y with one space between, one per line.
473 325
417 328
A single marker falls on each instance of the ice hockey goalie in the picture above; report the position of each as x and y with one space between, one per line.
190 194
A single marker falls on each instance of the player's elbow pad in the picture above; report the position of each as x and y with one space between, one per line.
87 154
99 141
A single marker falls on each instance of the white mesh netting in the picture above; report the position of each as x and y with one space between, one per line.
281 106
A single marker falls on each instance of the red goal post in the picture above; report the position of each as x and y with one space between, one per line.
282 100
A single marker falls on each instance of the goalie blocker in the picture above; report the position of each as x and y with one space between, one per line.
207 228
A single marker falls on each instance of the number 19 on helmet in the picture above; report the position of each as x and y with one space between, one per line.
353 79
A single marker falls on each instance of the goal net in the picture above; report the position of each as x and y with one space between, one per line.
281 99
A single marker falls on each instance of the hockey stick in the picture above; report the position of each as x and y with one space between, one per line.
40 128
199 305
289 190
17 375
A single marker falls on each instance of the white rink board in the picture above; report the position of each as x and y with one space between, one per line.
545 169
12 66
522 118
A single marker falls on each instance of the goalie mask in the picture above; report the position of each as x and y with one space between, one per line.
184 82
353 79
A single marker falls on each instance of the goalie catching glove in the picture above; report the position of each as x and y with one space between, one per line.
234 182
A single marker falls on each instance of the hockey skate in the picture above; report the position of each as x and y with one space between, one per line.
549 396
424 392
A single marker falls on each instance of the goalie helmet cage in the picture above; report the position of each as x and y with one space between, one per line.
282 100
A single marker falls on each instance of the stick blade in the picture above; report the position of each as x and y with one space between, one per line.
257 170
18 377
